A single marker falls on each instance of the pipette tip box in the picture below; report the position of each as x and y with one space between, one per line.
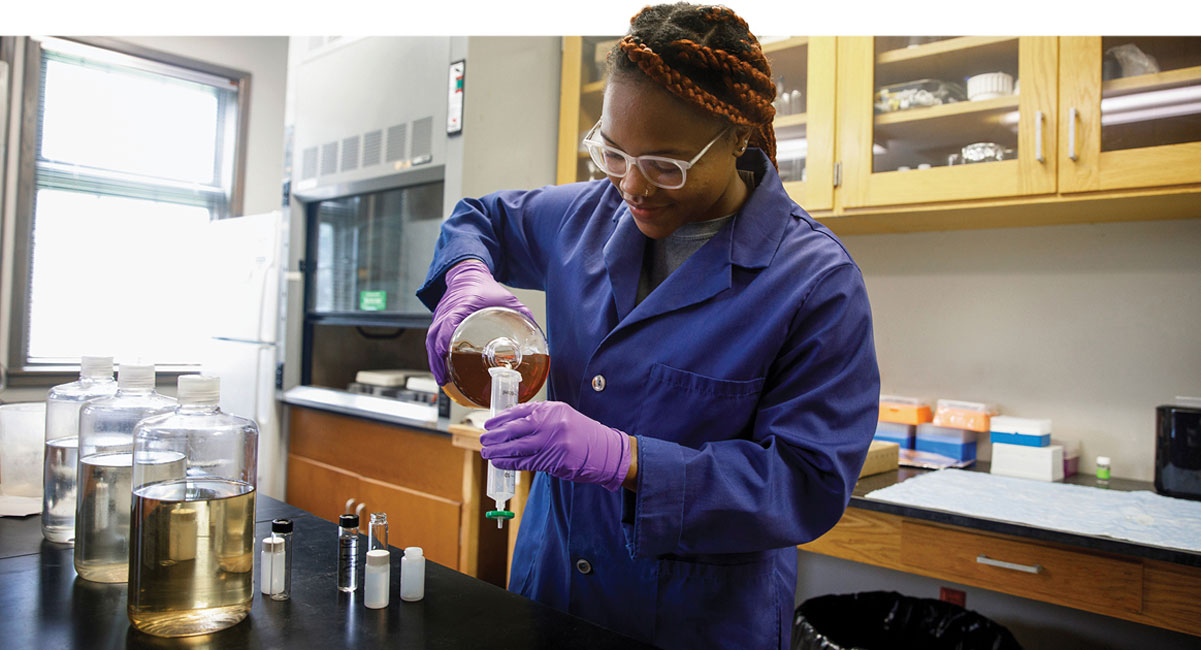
904 410
1021 461
959 444
973 416
902 434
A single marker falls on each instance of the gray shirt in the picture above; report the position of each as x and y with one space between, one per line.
664 256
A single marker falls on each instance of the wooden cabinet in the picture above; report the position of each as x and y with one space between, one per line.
1066 136
1136 589
431 490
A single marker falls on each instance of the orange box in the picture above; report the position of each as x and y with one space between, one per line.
970 416
903 410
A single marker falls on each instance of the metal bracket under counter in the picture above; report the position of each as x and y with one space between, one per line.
418 416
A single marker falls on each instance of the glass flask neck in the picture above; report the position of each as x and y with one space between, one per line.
502 352
198 409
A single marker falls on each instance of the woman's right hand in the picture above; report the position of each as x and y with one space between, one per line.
469 287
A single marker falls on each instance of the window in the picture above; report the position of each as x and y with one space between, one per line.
129 156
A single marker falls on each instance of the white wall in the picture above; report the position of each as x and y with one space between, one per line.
1092 326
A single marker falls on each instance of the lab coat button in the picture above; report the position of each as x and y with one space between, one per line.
598 383
583 566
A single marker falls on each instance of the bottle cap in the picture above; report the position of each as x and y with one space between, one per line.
413 551
378 557
281 525
273 545
348 521
199 389
135 375
96 367
1102 460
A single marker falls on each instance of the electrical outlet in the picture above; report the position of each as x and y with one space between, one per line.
956 596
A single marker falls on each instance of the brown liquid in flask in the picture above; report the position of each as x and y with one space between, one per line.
490 338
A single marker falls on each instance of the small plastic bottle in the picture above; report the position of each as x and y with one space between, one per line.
412 575
377 578
281 571
348 552
1103 471
271 568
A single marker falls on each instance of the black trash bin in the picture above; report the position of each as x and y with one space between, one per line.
886 619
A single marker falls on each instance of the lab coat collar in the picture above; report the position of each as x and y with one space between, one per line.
750 242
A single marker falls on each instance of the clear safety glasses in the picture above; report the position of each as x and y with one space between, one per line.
667 173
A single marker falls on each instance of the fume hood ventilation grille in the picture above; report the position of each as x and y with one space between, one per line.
372 143
350 153
423 132
329 158
308 167
396 142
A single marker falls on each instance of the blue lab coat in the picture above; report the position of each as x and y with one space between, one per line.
748 377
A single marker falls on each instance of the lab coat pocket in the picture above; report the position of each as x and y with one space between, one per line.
717 602
692 409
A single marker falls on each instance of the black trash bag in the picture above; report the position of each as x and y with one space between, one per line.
886 619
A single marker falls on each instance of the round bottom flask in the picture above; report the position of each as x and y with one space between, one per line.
495 337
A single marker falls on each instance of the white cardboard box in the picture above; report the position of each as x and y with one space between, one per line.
1038 463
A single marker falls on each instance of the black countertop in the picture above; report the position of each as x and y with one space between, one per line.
44 605
1097 543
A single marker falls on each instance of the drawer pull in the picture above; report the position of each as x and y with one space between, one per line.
1026 568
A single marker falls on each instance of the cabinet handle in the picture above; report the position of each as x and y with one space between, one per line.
359 511
1038 137
349 506
1072 114
1025 568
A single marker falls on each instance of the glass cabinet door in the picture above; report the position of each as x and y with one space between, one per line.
925 119
582 85
1130 112
803 69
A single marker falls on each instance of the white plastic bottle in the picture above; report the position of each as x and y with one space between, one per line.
377 580
62 444
412 574
105 467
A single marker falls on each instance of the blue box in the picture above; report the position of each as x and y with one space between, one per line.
950 449
1020 439
902 434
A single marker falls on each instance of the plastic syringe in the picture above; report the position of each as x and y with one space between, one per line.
502 483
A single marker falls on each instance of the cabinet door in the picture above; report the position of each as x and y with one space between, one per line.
931 119
319 488
804 69
582 89
1130 110
415 519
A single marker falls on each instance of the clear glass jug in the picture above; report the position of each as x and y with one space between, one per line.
191 556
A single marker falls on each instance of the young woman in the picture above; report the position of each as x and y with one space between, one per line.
713 380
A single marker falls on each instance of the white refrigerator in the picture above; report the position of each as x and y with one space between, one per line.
241 348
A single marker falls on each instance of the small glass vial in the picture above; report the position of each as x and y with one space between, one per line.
281 570
377 532
1103 471
377 578
348 552
412 574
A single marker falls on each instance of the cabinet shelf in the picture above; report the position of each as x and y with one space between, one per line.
949 58
1158 81
790 121
785 44
949 124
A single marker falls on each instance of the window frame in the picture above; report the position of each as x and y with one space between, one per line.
29 95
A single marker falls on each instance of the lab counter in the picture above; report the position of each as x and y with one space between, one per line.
1147 584
45 605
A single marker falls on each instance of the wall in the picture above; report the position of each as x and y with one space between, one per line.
265 58
1092 326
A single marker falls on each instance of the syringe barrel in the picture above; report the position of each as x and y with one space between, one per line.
502 483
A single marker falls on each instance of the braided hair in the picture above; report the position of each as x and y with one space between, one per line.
706 56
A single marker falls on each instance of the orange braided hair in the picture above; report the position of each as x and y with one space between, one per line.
706 56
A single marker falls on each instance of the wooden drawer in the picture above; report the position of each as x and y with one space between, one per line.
1084 580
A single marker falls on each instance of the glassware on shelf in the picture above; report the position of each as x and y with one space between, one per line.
916 94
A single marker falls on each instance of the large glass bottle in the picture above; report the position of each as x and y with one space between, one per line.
61 458
191 559
105 462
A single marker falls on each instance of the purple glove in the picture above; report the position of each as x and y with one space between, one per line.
554 438
469 288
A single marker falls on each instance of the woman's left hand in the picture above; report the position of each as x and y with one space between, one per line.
555 438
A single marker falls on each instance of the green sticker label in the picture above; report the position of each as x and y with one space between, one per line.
373 300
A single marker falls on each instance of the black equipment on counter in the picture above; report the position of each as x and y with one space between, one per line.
1178 451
